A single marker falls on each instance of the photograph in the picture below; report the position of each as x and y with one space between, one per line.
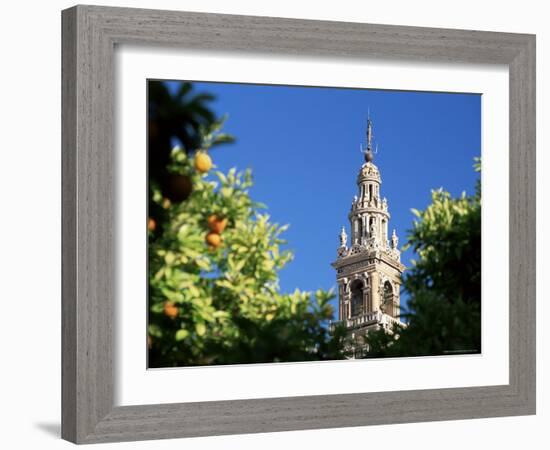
259 225
309 223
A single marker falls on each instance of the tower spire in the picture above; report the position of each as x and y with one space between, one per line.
369 134
369 155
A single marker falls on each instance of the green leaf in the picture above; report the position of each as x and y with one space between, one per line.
181 334
155 330
157 308
200 328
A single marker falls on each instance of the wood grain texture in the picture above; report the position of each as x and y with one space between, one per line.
68 225
89 37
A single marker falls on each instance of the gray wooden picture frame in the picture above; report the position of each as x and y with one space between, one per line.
89 37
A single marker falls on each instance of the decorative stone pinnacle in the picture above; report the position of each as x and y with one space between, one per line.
394 240
343 238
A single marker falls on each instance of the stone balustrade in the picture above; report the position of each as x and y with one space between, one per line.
366 319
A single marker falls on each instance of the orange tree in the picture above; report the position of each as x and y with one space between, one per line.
214 258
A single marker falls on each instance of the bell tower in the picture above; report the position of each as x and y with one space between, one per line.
368 271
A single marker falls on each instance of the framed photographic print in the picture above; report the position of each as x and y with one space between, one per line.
268 222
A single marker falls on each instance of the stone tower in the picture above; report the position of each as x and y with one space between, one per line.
368 271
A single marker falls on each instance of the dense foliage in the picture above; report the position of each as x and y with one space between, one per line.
444 284
214 259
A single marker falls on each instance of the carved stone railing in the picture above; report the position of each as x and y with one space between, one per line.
360 320
365 319
386 319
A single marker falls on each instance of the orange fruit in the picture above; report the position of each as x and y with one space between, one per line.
216 224
203 163
151 224
178 188
212 220
214 240
170 310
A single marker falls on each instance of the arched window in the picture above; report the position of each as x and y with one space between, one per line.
356 298
388 298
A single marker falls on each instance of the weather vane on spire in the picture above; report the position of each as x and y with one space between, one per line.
369 154
369 134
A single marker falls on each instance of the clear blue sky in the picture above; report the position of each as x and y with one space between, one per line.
302 144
